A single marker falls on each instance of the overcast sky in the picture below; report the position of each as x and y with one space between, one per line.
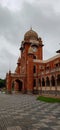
16 17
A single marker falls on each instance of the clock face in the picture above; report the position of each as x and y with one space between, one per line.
34 49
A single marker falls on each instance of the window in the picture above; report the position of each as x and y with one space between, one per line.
34 69
34 83
34 57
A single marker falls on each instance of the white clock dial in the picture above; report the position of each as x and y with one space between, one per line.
34 49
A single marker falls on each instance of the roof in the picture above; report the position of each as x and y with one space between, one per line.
45 61
31 34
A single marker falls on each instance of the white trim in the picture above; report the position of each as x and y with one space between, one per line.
45 61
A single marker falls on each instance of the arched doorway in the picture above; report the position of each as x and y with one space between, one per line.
58 79
47 81
43 82
53 81
20 84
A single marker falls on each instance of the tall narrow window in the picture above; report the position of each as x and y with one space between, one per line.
34 57
34 69
34 83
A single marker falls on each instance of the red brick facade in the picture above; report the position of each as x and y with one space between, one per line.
33 74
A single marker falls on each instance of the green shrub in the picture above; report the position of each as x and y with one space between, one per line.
48 99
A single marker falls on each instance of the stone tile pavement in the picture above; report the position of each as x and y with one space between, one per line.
24 112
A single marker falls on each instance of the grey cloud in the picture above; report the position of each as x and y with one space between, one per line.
10 25
7 61
44 20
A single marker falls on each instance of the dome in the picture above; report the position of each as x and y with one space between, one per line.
31 34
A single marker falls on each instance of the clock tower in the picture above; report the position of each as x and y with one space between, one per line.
31 49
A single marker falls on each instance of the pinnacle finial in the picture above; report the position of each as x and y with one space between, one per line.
58 51
31 28
9 71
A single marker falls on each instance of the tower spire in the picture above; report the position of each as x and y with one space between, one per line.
31 28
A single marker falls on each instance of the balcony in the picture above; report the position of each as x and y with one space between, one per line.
55 69
48 71
58 69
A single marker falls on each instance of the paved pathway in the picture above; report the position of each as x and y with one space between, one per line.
24 112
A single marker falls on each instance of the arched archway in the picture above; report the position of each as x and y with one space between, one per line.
47 81
19 84
58 79
43 82
53 81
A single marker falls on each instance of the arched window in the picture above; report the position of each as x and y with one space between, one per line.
47 81
34 57
43 82
53 81
34 83
58 80
34 69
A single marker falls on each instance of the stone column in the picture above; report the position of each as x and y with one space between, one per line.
56 87
50 86
41 87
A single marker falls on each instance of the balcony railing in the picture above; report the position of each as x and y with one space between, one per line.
57 69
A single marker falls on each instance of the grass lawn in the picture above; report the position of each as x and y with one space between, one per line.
48 99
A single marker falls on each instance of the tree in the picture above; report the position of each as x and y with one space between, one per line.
2 83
